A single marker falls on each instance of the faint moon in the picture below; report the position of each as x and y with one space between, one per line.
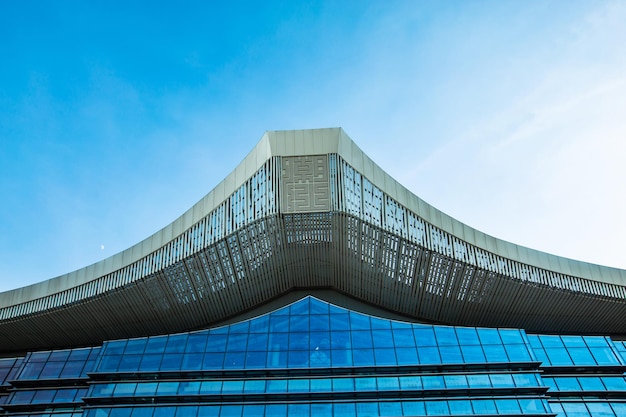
101 247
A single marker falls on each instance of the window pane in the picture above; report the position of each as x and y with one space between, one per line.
428 355
445 336
403 338
385 357
407 356
473 354
382 338
362 339
424 336
366 384
364 357
410 382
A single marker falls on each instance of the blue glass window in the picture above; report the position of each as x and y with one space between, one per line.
321 385
167 388
446 336
382 338
567 384
434 382
234 360
407 356
129 363
438 408
213 360
467 336
343 384
365 384
278 410
156 344
410 382
473 354
424 336
581 356
319 323
210 387
619 408
599 409
299 324
390 408
299 341
135 346
525 380
298 359
196 343
604 356
484 406
363 357
511 336
192 361
495 353
428 355
362 339
126 389
460 407
298 410
146 389
237 342
255 359
189 388
455 381
489 336
341 340
450 354
518 353
339 321
176 343
380 324
115 347
341 358
479 381
121 412
257 342
170 362
367 410
388 383
72 369
52 370
359 321
403 338
232 387
260 324
413 408
591 383
615 383
142 412
164 412
385 357
231 411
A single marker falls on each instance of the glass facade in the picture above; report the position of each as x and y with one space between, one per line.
315 358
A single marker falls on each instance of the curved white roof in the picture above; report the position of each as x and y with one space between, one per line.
449 238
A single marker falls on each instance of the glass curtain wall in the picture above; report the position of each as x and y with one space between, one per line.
314 358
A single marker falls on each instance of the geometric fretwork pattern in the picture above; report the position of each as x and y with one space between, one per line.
270 257
305 184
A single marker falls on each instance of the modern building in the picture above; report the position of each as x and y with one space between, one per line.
309 282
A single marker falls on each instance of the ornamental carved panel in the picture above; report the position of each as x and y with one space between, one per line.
304 184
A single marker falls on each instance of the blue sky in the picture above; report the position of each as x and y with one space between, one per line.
115 118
